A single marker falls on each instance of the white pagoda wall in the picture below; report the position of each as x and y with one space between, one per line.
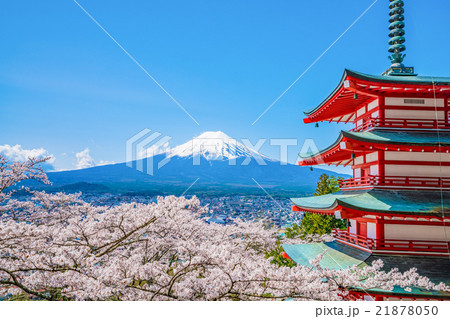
417 156
414 114
411 113
373 105
371 230
361 112
352 228
370 158
402 101
413 169
416 232
417 170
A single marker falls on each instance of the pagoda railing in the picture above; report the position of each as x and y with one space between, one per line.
345 235
398 245
396 181
402 123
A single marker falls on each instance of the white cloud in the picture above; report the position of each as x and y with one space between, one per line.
17 153
84 159
102 162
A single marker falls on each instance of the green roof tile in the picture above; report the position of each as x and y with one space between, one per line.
333 258
416 138
417 202
404 79
341 256
385 136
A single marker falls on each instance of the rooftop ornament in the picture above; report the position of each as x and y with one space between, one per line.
397 40
397 32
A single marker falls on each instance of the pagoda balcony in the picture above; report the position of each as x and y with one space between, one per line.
402 124
410 182
392 246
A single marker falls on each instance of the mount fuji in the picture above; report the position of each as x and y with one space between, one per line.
211 164
213 146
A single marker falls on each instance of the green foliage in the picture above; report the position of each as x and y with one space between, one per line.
54 294
278 258
311 223
323 224
18 297
327 185
295 231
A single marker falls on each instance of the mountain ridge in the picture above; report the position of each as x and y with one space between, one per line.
212 145
212 163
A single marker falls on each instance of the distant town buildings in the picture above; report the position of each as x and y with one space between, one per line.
222 209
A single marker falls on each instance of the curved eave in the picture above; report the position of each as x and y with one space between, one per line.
338 256
326 210
380 202
425 294
334 154
388 138
369 87
405 80
332 94
343 96
339 153
358 210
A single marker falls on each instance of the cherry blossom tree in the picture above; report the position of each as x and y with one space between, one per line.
58 247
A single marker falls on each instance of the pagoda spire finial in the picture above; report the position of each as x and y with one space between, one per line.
397 39
397 33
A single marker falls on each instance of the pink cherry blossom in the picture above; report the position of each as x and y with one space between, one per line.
56 246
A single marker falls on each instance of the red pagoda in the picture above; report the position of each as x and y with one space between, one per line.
397 204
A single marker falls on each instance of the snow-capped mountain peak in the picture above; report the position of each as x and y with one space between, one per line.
213 135
213 146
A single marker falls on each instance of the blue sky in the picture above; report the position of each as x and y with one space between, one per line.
66 86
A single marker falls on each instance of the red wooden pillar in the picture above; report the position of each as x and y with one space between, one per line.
381 167
379 231
381 108
446 108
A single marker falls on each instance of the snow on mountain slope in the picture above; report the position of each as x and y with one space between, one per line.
213 146
216 162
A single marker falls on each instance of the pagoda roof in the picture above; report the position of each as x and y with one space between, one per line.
402 79
340 256
435 268
337 256
395 137
382 139
387 202
341 105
